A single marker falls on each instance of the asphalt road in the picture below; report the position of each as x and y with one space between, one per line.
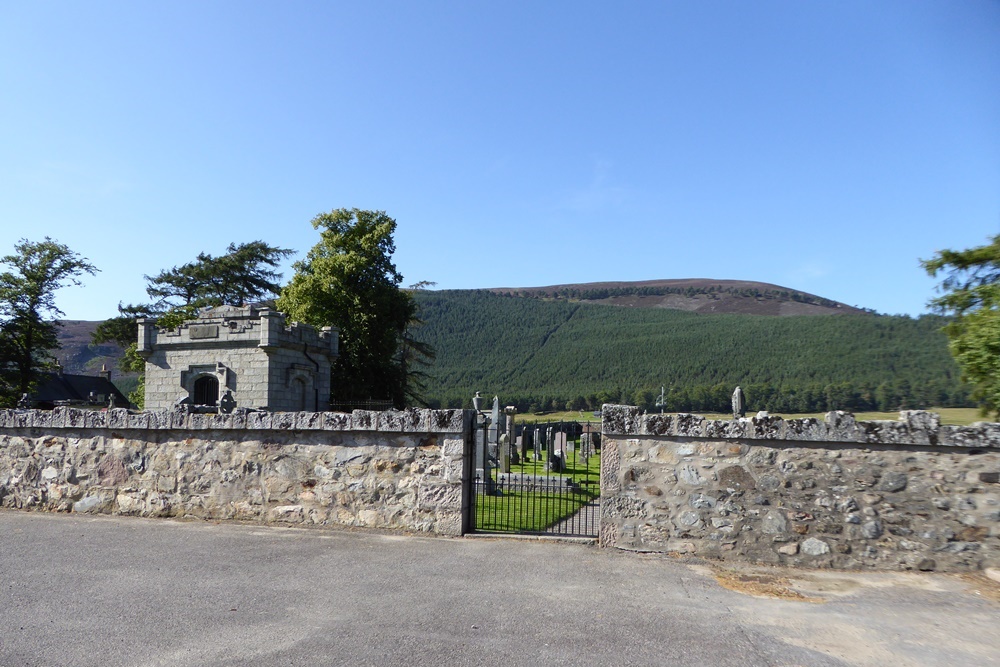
108 591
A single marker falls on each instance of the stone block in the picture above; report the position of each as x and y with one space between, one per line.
178 419
401 421
726 428
809 430
620 419
258 421
308 421
453 447
767 427
95 419
221 422
440 496
117 418
160 419
364 420
689 425
337 421
41 419
198 422
446 421
59 417
842 427
138 420
656 424
282 420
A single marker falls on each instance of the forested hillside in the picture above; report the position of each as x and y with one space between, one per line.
541 354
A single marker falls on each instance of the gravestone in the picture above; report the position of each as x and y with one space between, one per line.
559 443
504 447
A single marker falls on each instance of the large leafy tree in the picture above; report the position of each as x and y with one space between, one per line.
348 280
28 311
970 293
246 273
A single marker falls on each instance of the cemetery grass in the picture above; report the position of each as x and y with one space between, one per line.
532 511
527 512
574 469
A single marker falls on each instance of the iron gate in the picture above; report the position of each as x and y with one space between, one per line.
543 480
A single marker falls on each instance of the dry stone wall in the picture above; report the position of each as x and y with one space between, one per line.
910 494
401 470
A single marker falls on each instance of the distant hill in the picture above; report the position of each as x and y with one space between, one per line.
565 345
548 353
698 295
78 356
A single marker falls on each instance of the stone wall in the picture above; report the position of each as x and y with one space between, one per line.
401 470
910 494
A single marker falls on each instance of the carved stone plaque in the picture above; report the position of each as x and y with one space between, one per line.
200 331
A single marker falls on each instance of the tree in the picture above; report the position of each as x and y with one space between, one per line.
245 274
348 280
28 311
971 295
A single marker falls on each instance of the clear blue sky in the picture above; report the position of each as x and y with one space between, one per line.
820 146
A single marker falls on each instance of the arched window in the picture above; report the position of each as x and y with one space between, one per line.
206 390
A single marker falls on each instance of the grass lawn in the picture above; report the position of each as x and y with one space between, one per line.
564 416
526 511
536 511
574 467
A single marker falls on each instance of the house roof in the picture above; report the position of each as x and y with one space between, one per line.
54 387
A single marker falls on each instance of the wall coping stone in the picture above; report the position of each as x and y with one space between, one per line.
411 420
914 427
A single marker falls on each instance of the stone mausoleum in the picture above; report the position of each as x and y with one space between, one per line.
230 357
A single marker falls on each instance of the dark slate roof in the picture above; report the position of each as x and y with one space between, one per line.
54 387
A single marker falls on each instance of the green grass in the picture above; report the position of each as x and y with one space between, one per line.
527 511
575 467
952 416
564 416
534 512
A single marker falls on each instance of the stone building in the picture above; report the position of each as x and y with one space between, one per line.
238 357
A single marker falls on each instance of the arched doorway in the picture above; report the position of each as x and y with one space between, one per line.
206 390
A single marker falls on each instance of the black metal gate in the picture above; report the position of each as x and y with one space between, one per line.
545 480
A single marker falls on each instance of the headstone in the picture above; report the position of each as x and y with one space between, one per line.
504 447
480 449
559 443
555 462
495 421
739 404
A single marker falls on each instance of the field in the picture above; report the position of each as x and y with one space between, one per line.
953 416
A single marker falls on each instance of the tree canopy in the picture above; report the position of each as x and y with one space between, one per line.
28 311
970 293
245 274
348 280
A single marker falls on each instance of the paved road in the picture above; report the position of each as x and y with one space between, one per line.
121 591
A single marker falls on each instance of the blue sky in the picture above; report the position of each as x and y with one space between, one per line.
820 146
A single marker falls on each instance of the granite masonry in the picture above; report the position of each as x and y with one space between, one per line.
907 494
233 357
399 470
